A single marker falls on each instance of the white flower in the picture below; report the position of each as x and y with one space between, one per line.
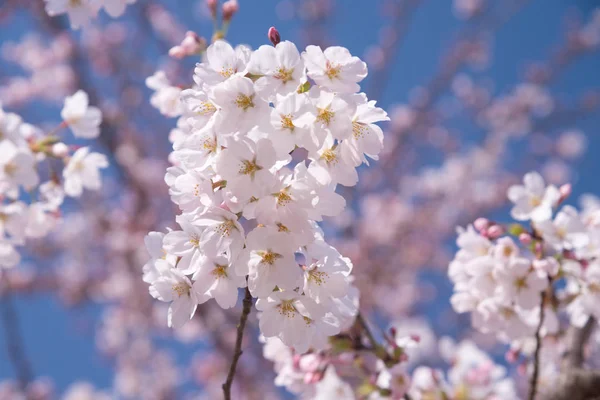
291 119
10 128
83 119
280 68
533 200
367 138
154 247
221 231
245 166
334 114
286 204
239 106
223 62
198 150
199 106
166 98
268 260
172 286
566 231
17 168
335 68
80 11
13 220
326 272
333 387
82 171
216 278
288 316
333 166
189 190
185 244
521 283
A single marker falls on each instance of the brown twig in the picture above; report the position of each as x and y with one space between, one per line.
247 306
536 355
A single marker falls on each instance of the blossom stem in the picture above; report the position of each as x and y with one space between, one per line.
536 355
246 308
363 324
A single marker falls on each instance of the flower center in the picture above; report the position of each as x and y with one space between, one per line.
10 168
181 289
282 228
332 70
287 309
286 122
226 72
244 102
535 201
220 271
210 144
359 130
284 75
317 277
226 227
268 257
249 168
206 108
330 157
283 197
195 241
325 115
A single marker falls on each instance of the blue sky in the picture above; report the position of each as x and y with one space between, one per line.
60 343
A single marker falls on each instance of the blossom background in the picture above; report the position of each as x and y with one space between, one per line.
74 290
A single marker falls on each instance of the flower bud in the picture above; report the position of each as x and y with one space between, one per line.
274 36
565 191
495 231
525 238
511 356
212 7
481 224
230 7
60 150
177 52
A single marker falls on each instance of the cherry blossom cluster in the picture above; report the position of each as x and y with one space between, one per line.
81 12
31 189
263 140
472 375
510 277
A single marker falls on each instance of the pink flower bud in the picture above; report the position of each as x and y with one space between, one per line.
212 7
192 43
230 7
274 36
495 231
416 338
481 224
177 52
511 356
60 150
525 238
565 191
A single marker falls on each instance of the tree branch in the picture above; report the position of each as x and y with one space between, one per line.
536 356
14 345
246 308
363 324
578 340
